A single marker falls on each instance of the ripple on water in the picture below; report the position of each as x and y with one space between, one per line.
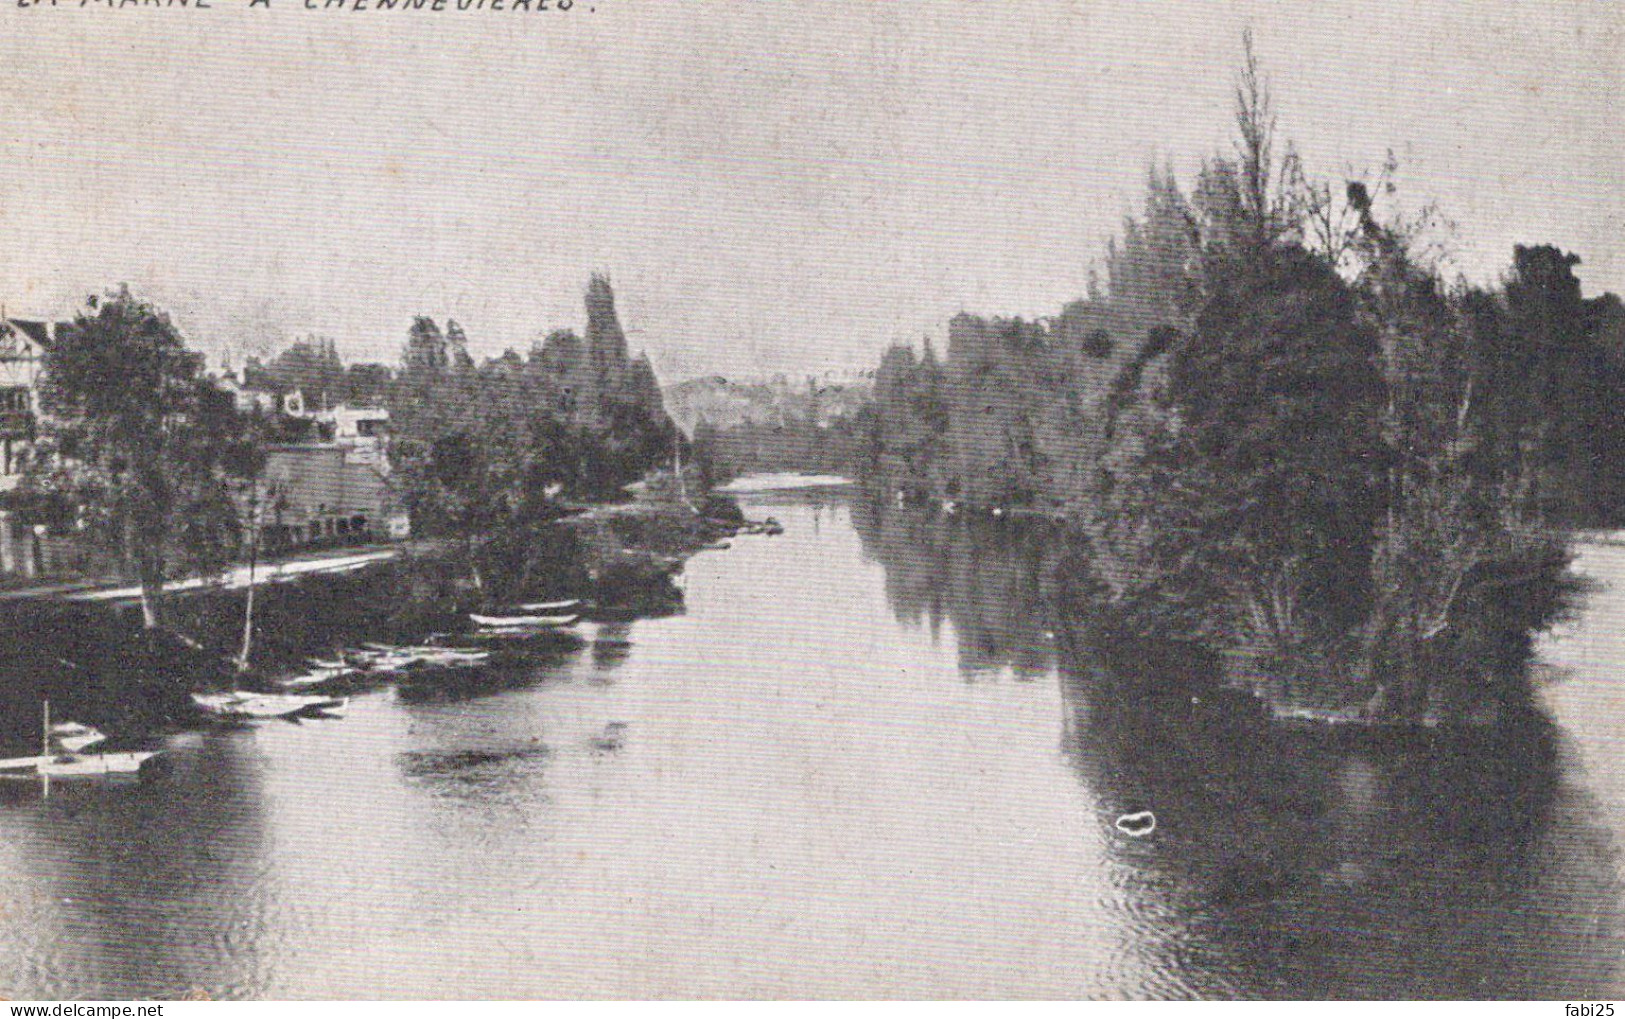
467 764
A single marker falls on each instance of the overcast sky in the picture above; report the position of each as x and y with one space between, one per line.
771 185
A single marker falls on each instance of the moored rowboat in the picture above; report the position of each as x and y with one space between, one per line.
422 654
550 607
75 736
510 622
260 705
76 765
316 677
94 765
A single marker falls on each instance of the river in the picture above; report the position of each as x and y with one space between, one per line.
852 767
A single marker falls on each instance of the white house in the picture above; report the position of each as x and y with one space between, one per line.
22 353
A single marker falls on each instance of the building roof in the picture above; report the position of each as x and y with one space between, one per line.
317 480
39 332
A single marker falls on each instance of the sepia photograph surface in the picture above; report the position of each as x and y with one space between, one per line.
652 499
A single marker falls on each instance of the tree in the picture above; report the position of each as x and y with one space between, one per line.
313 367
425 348
367 385
1270 500
1439 524
1276 394
1551 364
142 442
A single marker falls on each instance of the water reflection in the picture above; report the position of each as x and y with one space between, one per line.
791 790
1298 863
108 890
1291 862
983 576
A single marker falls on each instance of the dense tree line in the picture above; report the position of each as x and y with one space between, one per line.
313 367
141 453
795 445
477 446
1275 425
147 458
775 425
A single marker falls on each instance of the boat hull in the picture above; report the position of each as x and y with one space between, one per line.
512 622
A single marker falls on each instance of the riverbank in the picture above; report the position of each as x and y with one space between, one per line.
1472 672
902 662
83 647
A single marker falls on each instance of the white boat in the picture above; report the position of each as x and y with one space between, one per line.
512 622
373 660
511 633
72 765
76 736
260 705
427 654
567 605
13 766
95 765
457 657
315 677
76 765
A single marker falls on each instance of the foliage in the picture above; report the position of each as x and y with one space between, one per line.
1277 426
487 450
142 443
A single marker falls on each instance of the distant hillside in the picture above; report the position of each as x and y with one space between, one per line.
729 403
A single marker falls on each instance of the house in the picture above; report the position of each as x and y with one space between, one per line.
22 352
364 431
247 400
315 493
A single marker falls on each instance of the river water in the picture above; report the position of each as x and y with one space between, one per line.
853 766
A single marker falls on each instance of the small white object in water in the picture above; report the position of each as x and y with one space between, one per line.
1137 825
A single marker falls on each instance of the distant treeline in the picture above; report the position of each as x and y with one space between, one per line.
797 444
819 425
480 447
1275 425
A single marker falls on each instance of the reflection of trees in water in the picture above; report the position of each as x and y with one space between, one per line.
984 577
1311 862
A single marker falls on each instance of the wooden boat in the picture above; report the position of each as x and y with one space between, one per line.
316 677
488 634
525 621
457 658
550 607
426 651
260 705
75 736
72 764
96 765
76 765
428 654
12 767
375 660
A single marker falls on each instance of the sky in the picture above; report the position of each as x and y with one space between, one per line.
771 186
